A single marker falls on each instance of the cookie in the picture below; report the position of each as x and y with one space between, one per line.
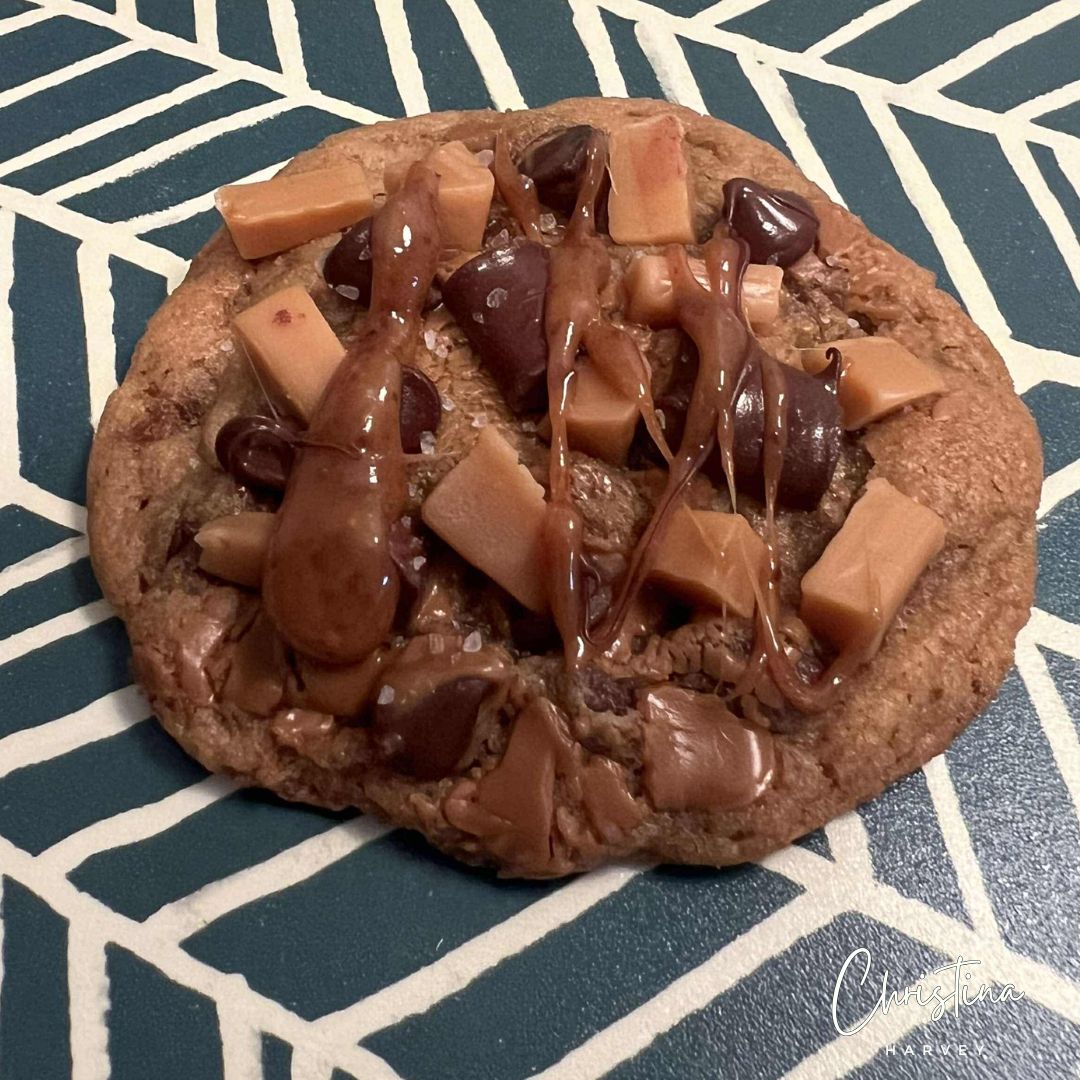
571 484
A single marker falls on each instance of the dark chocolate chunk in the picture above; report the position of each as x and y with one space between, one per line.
347 269
257 451
427 738
498 301
421 408
779 226
556 162
815 435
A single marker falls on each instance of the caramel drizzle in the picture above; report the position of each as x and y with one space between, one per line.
330 584
517 191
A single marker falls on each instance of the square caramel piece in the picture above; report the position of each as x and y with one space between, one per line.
711 558
650 200
599 419
880 377
286 211
292 347
851 595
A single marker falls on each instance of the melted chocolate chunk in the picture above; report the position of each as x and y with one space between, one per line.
421 408
779 226
257 451
347 269
498 301
815 435
556 163
427 738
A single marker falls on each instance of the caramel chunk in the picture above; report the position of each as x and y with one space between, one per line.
599 420
292 348
650 200
465 191
491 511
650 298
852 593
711 558
699 756
287 211
234 546
338 689
880 376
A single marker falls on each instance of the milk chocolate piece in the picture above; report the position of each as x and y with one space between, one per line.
257 451
421 408
711 558
292 348
851 595
491 511
347 269
599 420
234 546
465 191
555 162
287 211
498 301
256 680
699 756
880 376
779 226
650 200
650 297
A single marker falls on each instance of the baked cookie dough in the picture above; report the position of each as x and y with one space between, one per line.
569 484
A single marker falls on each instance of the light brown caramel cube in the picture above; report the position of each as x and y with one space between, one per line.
274 215
650 200
491 511
465 191
234 546
880 376
599 420
650 296
292 347
711 558
851 595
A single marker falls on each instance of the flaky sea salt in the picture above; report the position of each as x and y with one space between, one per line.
386 695
547 223
447 404
478 316
496 297
418 562
472 642
226 346
853 323
480 420
350 292
427 442
485 157
429 340
528 426
500 239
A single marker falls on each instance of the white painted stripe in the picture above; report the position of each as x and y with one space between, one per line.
108 124
241 1042
770 87
1059 486
725 10
107 716
1049 102
290 51
206 24
451 973
9 413
184 917
95 288
694 990
143 254
487 52
663 51
41 563
60 626
13 23
130 826
127 11
66 74
1054 632
168 148
850 846
310 1063
1057 725
1008 37
88 994
408 77
45 504
866 22
594 36
177 965
954 832
1030 365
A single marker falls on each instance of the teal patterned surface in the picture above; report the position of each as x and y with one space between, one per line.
155 922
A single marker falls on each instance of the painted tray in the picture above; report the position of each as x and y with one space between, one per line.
157 923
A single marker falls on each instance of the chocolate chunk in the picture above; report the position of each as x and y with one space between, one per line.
257 451
779 226
421 408
815 435
427 738
555 162
347 269
498 301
